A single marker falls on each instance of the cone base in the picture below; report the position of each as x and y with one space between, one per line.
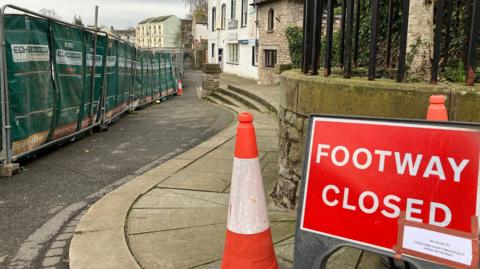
249 251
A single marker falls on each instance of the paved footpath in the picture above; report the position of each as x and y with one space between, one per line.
174 216
39 207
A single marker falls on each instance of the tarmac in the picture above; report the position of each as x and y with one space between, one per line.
174 216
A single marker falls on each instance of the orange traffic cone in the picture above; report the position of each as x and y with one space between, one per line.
180 88
437 110
248 242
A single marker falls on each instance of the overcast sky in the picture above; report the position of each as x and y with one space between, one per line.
117 13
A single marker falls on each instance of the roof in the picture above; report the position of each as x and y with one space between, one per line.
262 2
155 19
125 32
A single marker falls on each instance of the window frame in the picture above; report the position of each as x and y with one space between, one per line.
270 58
214 19
254 55
233 53
244 13
271 20
233 9
223 16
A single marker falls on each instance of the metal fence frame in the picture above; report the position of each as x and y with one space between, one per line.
6 155
351 9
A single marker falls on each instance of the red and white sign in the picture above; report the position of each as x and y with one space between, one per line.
362 174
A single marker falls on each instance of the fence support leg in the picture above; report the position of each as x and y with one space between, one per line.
8 168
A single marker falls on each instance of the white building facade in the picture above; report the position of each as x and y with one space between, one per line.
159 32
233 37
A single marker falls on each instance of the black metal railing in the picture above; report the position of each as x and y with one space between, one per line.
387 23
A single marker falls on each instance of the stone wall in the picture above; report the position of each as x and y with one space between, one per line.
287 12
303 95
211 79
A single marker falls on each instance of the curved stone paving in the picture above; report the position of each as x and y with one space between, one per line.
181 222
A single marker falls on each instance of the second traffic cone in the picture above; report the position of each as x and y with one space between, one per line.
180 87
437 110
248 243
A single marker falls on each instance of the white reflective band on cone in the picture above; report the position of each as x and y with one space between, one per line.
247 212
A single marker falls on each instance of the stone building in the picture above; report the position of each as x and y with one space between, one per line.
159 32
274 16
187 37
233 37
127 35
200 43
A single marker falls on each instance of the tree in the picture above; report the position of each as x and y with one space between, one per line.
77 20
198 9
420 39
49 13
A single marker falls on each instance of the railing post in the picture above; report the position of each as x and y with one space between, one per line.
472 47
448 19
317 34
328 50
357 32
342 36
373 41
389 35
307 35
437 40
403 41
6 145
347 70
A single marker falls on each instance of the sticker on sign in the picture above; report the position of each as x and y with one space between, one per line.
367 172
438 244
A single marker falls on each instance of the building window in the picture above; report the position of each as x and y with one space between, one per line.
213 50
233 53
214 19
224 16
233 9
271 20
244 13
255 55
270 58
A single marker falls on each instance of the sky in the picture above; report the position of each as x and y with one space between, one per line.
117 13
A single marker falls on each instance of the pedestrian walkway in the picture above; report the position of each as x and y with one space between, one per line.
174 216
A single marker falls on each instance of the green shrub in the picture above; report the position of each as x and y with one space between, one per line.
295 44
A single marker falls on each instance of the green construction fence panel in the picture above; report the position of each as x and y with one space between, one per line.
29 78
128 84
137 94
68 48
170 84
151 75
122 72
155 77
112 79
146 78
163 76
91 109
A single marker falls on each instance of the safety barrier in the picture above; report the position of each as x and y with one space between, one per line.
59 80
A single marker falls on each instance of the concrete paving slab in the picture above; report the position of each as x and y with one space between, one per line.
192 180
169 167
282 230
194 153
184 248
207 165
156 220
221 154
271 157
345 258
171 198
214 265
